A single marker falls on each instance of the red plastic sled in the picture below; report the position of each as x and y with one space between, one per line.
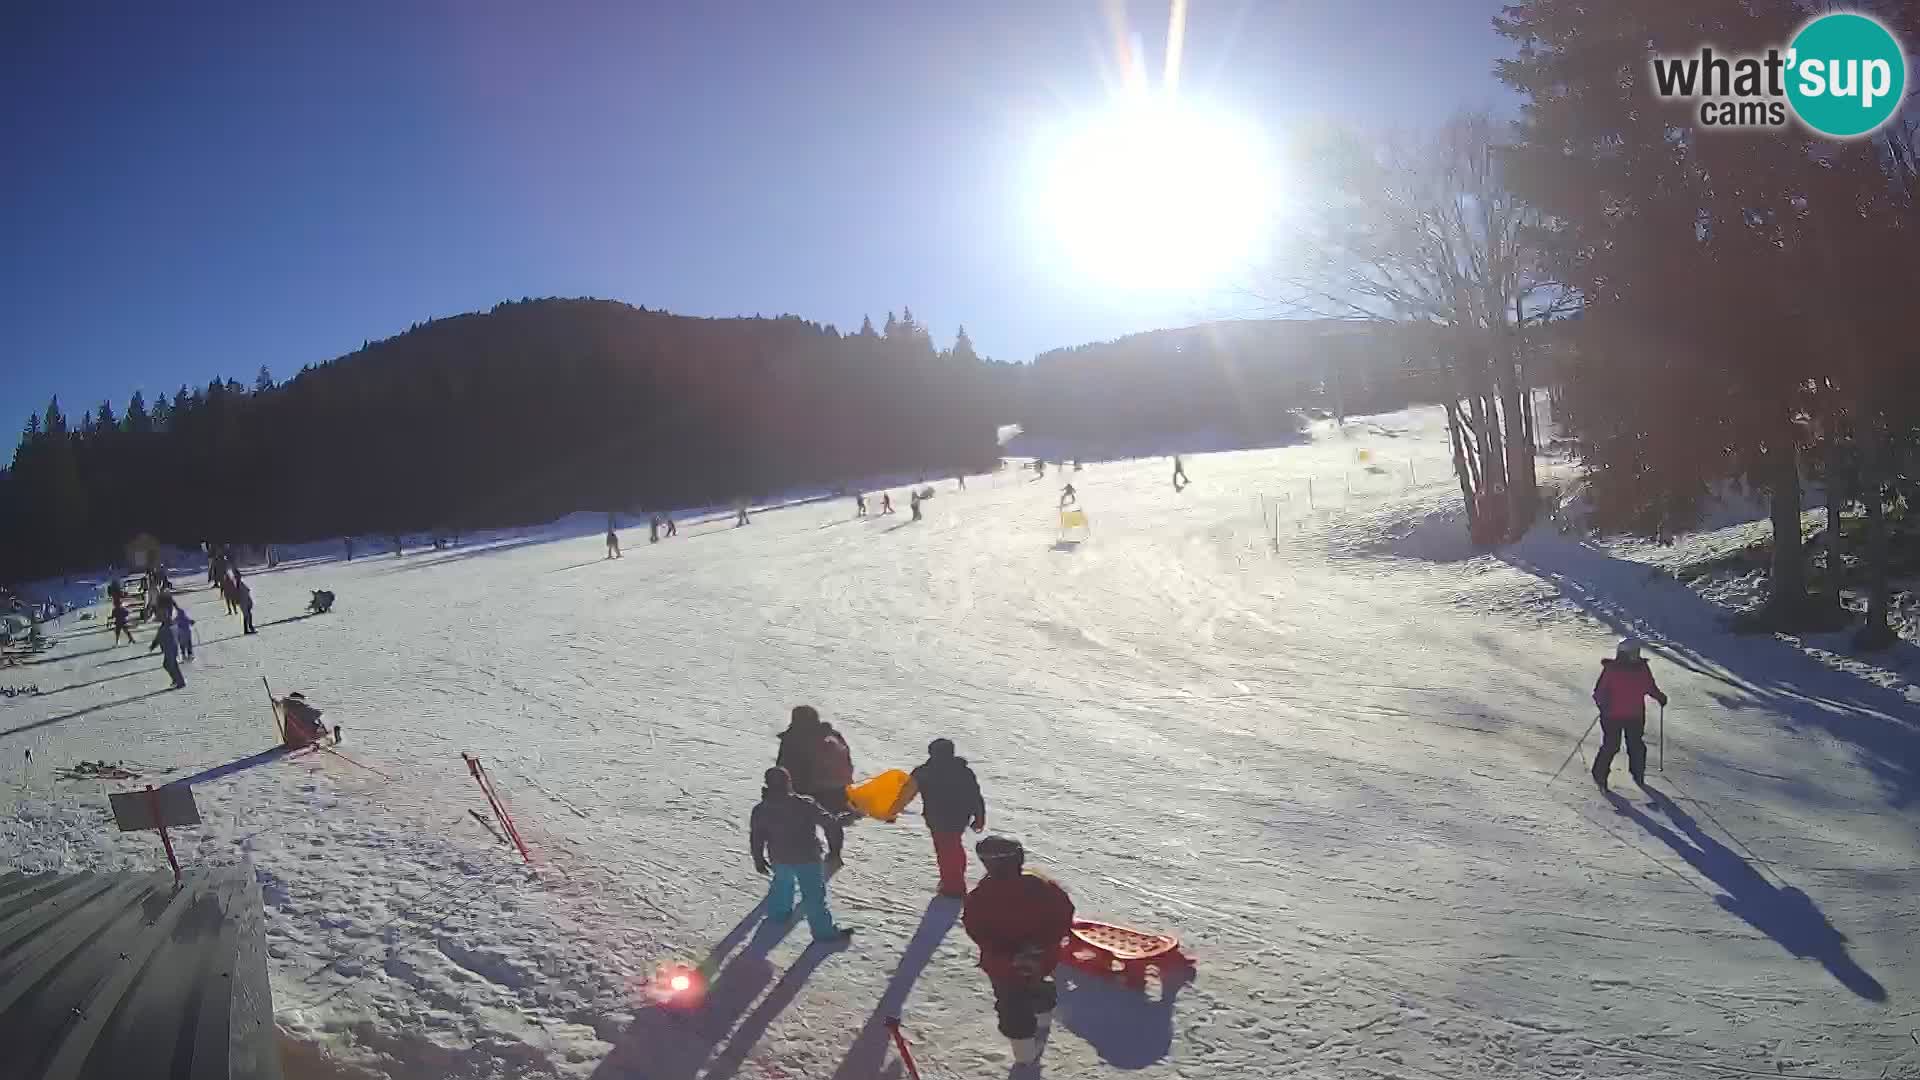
1116 951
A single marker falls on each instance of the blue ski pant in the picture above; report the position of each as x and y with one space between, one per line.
811 880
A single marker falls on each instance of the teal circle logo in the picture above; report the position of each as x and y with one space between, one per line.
1846 75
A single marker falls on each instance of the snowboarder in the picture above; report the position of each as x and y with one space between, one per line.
950 801
243 599
859 504
913 504
1068 496
1625 684
1179 474
783 834
817 758
163 640
120 622
183 631
1018 919
886 503
613 543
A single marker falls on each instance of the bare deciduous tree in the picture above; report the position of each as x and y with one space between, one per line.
1422 230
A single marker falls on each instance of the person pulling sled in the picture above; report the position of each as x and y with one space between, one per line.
1018 918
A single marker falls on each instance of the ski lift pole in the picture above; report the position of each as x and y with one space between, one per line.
900 1043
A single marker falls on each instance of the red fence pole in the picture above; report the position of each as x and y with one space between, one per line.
493 800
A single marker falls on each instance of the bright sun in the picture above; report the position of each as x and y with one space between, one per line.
1156 193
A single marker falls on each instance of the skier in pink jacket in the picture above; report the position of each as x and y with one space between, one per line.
1625 684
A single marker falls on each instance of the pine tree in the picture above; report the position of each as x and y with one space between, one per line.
963 348
105 420
866 327
263 381
137 422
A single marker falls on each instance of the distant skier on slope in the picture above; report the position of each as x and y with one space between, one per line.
913 503
613 543
653 529
740 516
120 622
886 503
817 758
672 529
163 640
243 599
950 801
1625 684
183 631
782 833
859 504
1179 474
1018 919
1069 497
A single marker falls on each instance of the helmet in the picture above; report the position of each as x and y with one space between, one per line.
1001 854
1628 649
940 748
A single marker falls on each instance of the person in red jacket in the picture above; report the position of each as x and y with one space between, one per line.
1018 919
1626 682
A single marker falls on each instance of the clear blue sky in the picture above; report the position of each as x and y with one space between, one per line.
199 193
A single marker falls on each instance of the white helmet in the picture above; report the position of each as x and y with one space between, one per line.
1628 649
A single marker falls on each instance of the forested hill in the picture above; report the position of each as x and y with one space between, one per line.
543 407
518 414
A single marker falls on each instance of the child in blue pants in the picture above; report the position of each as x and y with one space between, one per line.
784 837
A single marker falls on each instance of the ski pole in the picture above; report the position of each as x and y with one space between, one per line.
1575 750
1663 736
900 1042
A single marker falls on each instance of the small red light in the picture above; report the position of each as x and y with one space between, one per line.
679 983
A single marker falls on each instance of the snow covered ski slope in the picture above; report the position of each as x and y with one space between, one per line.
1318 751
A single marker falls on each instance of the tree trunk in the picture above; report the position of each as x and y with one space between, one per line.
1787 606
1457 439
1876 633
1836 544
1523 494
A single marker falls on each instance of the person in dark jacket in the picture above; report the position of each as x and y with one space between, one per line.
163 640
120 622
783 835
817 758
243 599
1018 919
1625 684
950 801
183 631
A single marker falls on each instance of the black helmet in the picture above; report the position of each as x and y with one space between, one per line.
1001 855
940 748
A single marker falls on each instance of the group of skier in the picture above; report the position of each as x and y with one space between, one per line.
1016 917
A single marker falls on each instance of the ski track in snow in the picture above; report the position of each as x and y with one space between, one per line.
1322 760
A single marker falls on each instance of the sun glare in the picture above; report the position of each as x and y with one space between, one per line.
1156 193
